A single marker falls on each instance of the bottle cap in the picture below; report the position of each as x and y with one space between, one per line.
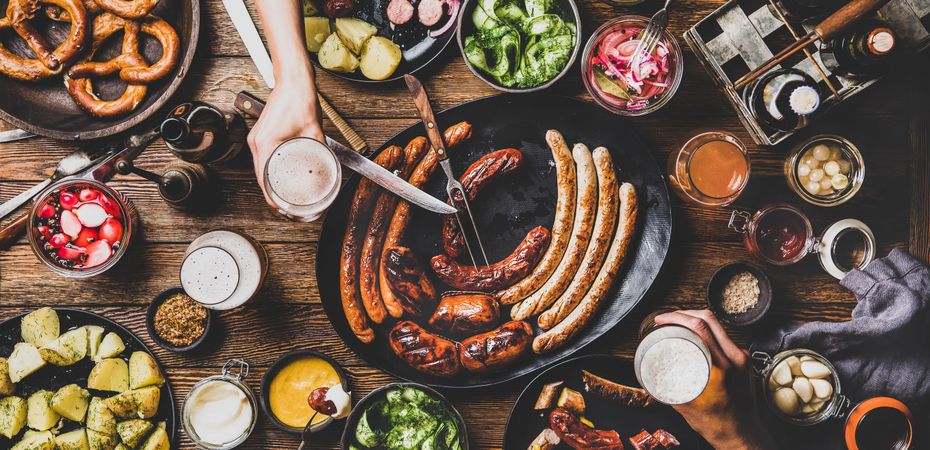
804 100
881 41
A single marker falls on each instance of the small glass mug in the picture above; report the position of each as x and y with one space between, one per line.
679 169
302 178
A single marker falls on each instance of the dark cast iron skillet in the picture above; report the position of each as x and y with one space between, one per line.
525 423
52 377
45 108
508 209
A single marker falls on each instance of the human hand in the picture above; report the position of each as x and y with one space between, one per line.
292 111
723 413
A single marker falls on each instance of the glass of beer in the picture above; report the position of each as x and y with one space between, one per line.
302 178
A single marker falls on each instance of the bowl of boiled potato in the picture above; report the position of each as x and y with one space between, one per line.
72 380
801 387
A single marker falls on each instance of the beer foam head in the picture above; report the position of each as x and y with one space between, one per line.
302 172
209 275
674 371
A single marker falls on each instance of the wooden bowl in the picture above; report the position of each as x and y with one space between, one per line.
715 294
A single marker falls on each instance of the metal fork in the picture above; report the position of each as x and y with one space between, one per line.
453 186
650 36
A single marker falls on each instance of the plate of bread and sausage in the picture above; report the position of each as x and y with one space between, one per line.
573 213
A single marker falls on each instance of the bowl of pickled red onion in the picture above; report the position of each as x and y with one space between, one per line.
620 81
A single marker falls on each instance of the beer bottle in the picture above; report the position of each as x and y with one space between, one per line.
783 99
198 132
865 51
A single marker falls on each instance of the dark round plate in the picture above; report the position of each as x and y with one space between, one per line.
525 423
419 50
45 108
53 377
508 209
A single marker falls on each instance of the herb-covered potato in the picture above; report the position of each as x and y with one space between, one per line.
157 441
354 32
71 402
12 416
380 58
137 403
122 446
143 371
101 441
316 30
99 417
110 346
334 55
94 337
24 360
133 432
68 349
109 375
72 440
40 327
40 415
38 440
7 386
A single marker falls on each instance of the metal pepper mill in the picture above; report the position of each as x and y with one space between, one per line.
183 185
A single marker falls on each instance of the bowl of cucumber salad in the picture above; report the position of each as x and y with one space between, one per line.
519 45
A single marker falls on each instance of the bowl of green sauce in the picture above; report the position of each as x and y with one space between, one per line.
401 416
519 46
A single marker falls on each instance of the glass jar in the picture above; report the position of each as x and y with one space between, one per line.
834 161
652 95
766 366
113 204
242 371
710 169
780 234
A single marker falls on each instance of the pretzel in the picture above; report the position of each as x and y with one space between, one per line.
128 9
78 79
58 14
132 67
48 62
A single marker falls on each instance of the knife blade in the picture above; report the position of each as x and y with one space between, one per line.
15 134
250 105
242 20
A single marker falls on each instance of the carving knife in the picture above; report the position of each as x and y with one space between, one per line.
242 20
250 105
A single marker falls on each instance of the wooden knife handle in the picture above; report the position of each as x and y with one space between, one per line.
358 144
10 232
846 16
421 100
249 104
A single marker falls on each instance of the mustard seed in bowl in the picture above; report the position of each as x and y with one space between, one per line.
180 320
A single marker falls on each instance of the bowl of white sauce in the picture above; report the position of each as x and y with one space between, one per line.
221 411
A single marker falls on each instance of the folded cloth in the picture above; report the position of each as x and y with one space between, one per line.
883 350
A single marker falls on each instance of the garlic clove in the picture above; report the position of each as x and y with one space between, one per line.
787 401
814 369
795 364
782 374
807 358
802 386
823 389
808 409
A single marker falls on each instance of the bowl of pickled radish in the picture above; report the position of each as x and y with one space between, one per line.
825 170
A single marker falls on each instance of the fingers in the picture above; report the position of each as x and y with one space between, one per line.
736 355
261 147
702 329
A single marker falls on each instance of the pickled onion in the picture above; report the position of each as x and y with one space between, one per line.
613 57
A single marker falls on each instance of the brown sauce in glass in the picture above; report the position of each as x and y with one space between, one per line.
781 235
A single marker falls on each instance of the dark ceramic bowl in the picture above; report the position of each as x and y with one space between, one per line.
150 324
273 371
378 394
715 294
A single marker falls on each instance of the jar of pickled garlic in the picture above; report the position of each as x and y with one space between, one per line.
825 170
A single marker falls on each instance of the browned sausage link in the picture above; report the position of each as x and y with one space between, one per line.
423 350
318 402
374 237
497 348
409 282
478 175
465 313
499 275
454 135
365 196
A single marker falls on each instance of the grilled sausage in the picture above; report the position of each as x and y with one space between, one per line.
365 196
577 245
409 282
561 228
465 313
318 402
399 12
454 135
604 225
581 315
622 394
377 228
478 175
580 436
496 348
425 351
338 8
498 275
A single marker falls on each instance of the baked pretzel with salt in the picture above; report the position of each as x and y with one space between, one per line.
48 61
128 9
129 64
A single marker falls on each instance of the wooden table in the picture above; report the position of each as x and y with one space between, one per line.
890 122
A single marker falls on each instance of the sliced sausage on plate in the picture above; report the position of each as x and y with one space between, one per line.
399 12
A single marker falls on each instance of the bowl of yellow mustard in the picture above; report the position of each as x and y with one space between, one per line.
288 383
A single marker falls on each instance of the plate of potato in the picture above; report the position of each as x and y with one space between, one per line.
73 380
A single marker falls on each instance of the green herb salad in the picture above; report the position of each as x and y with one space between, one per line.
520 43
408 418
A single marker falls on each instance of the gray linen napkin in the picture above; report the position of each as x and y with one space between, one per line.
885 349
